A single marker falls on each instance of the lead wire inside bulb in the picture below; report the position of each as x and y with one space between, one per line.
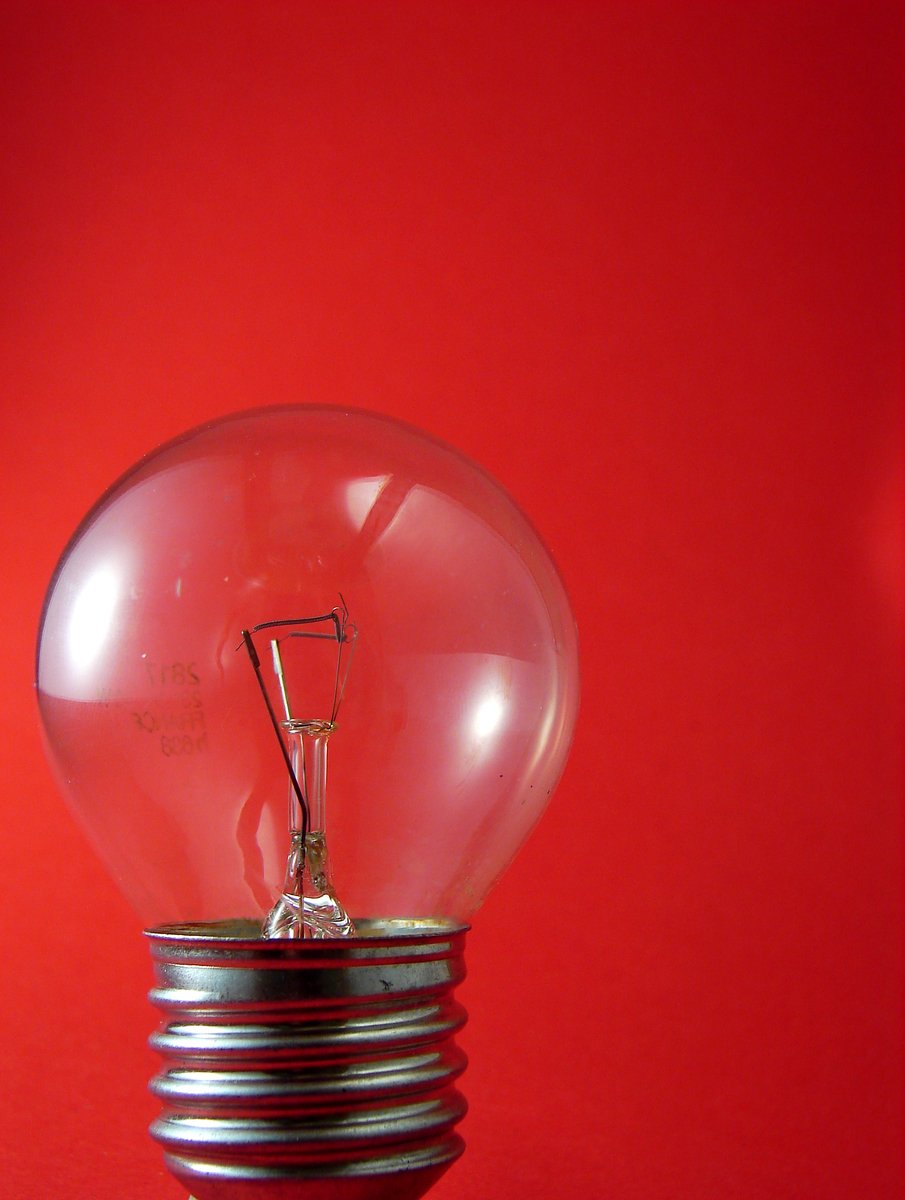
308 905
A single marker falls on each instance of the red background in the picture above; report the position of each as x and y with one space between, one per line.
642 261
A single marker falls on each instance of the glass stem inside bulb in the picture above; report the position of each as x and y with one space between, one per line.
309 759
308 905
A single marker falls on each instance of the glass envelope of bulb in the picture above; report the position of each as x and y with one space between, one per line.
459 705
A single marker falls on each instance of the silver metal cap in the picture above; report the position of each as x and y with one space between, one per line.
314 1069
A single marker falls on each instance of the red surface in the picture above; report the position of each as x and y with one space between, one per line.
643 263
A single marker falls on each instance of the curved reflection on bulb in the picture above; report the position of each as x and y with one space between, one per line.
91 618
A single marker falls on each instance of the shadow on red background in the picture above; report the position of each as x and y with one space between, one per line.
643 263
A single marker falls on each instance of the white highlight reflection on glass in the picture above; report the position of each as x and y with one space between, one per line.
92 616
487 717
362 495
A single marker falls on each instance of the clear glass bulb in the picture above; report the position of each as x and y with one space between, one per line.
454 723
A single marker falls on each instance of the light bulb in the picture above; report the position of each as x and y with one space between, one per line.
194 664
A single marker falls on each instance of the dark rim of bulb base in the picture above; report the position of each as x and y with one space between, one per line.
247 929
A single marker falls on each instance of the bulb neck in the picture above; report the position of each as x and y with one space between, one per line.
308 906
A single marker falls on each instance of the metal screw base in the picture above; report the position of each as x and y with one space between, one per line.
308 1069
